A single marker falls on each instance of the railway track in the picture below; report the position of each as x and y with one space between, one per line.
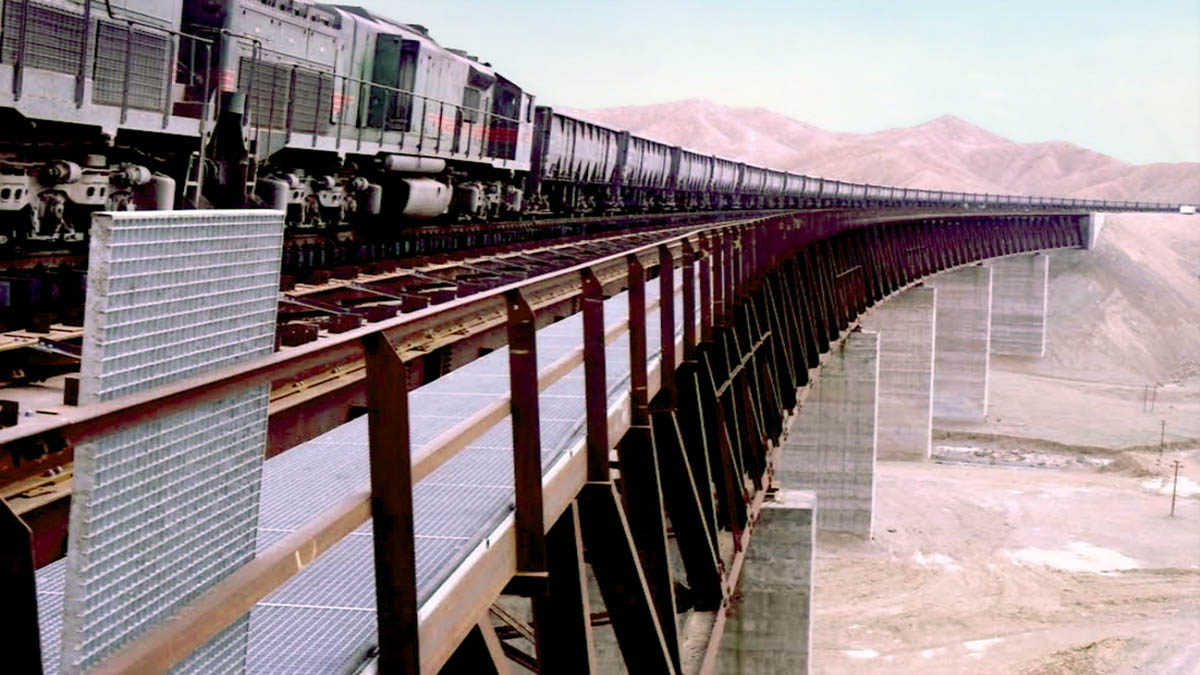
345 298
331 285
44 288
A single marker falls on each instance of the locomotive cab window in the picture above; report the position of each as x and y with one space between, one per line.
396 73
471 100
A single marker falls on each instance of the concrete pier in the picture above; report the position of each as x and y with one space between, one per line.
960 360
769 629
1019 305
906 325
831 446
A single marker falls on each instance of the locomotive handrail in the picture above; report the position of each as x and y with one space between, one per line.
482 126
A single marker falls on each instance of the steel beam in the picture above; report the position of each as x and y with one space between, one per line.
641 489
479 653
622 583
595 379
562 616
392 508
689 518
527 443
21 642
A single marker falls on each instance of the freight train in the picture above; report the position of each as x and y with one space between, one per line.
339 116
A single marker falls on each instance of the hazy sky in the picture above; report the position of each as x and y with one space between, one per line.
1122 78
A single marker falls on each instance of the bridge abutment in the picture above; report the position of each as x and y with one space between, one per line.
961 352
830 449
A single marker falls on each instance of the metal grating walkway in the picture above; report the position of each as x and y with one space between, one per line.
323 620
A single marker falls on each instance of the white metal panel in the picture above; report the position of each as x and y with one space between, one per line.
163 510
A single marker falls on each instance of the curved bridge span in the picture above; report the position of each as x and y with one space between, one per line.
619 423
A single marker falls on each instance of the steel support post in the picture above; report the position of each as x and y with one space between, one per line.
727 400
527 443
787 338
706 299
794 302
480 653
698 445
719 253
640 480
730 243
392 507
21 641
666 323
618 571
639 388
689 301
730 487
562 616
688 517
595 382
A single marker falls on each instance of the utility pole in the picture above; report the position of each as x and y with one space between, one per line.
1174 487
1162 439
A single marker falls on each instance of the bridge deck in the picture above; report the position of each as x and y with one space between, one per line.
323 620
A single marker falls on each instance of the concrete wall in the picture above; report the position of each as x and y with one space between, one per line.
960 361
1019 287
906 325
830 448
769 629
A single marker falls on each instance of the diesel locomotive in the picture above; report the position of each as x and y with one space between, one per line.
339 116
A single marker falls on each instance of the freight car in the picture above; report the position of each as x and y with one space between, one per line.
337 115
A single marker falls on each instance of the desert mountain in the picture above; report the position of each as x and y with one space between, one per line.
944 153
1128 312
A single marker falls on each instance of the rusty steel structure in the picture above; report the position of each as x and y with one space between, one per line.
692 444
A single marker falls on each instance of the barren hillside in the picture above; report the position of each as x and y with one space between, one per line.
1128 312
945 153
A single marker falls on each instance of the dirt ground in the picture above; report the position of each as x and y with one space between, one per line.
1017 560
1036 542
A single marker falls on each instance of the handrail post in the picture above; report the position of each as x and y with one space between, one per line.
81 73
595 377
689 301
719 253
441 122
341 108
168 85
317 106
128 72
706 289
290 113
21 641
666 321
638 379
19 66
361 122
392 507
526 435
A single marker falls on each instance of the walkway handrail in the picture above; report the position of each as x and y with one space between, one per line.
737 253
170 642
